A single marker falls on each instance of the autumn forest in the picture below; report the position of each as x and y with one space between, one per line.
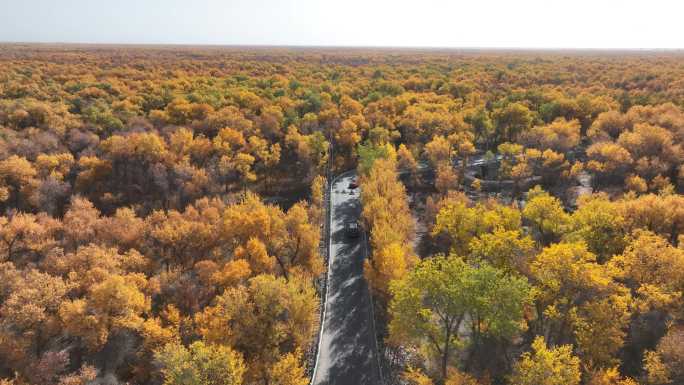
165 213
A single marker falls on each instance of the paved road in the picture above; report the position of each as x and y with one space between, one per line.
347 354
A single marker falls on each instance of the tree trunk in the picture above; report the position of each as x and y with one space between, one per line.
445 355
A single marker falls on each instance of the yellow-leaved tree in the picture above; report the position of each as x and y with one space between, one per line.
386 212
264 320
200 364
547 366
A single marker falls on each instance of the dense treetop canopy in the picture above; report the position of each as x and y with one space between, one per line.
161 212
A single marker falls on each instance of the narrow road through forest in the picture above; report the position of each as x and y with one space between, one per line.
347 351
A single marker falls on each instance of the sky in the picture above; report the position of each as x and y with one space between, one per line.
394 23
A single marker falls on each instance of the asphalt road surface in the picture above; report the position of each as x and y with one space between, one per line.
347 352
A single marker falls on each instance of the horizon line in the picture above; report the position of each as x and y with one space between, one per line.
331 46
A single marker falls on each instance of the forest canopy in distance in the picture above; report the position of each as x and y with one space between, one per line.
163 212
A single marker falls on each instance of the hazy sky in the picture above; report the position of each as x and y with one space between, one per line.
435 23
